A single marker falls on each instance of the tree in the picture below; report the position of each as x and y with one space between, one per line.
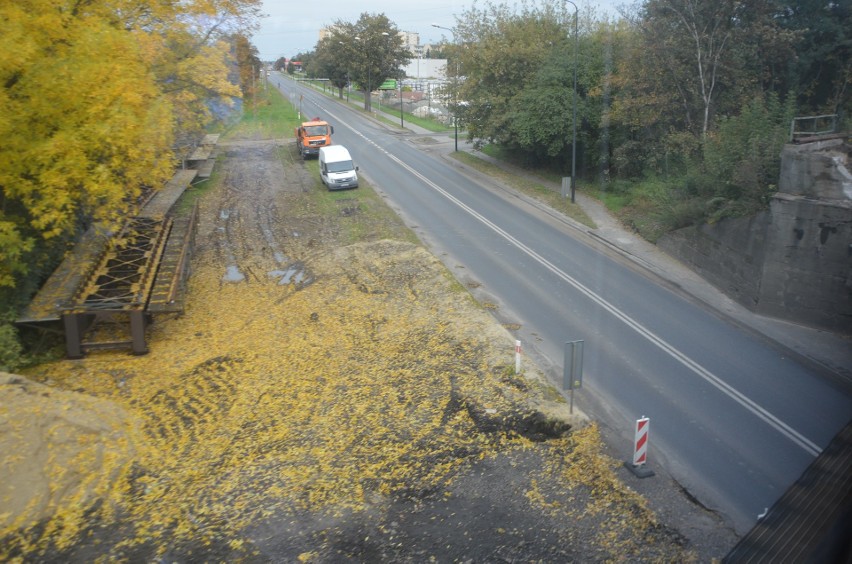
303 58
92 101
695 35
689 63
369 51
742 156
821 71
499 53
539 120
517 69
332 61
248 65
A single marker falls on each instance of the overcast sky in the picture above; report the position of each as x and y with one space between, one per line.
293 26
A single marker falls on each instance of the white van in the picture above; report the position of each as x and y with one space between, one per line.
336 168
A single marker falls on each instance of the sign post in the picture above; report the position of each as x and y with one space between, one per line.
566 186
572 369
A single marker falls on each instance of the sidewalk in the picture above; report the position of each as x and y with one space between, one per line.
827 352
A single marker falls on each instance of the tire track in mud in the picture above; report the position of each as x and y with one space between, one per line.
255 184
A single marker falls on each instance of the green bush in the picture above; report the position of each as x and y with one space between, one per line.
743 156
11 350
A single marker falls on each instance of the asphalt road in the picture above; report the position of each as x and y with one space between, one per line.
733 418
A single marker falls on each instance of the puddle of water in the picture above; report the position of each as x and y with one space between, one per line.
233 274
224 214
293 275
286 276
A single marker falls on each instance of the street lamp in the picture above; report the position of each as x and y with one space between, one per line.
368 102
348 81
574 103
455 113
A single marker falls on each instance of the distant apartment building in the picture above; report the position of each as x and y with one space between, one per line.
410 39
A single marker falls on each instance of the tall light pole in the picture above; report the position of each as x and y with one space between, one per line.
386 35
455 116
348 84
574 103
366 94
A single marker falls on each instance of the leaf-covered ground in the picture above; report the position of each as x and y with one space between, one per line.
324 400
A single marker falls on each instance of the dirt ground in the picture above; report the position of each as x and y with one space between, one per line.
319 400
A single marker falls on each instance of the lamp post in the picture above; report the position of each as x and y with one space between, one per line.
574 104
348 86
368 101
401 124
455 116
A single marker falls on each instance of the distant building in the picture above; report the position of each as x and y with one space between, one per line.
410 39
325 32
426 69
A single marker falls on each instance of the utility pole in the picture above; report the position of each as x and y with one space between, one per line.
455 89
574 103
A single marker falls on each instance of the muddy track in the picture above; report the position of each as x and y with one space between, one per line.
261 180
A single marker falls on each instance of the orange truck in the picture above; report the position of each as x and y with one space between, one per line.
312 135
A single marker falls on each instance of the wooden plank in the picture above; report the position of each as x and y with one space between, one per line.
165 198
204 151
201 153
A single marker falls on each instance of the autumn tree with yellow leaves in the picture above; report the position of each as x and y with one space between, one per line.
95 97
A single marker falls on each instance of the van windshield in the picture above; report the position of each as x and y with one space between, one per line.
340 166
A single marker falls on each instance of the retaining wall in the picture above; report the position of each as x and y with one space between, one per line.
793 262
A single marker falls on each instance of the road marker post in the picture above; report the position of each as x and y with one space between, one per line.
640 449
517 357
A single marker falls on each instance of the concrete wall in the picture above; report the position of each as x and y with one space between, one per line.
817 170
728 254
807 270
795 261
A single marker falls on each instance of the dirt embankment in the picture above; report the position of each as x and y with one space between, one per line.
318 401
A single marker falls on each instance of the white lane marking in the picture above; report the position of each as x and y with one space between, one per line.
806 444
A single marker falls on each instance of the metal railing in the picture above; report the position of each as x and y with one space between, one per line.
811 126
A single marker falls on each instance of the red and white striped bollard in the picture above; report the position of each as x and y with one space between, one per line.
640 449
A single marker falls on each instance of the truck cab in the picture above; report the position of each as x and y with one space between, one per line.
312 135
